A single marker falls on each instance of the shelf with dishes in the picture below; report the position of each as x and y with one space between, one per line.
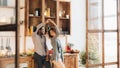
10 7
8 27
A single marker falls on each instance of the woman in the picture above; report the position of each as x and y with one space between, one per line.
57 56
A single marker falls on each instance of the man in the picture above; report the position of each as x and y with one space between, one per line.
39 41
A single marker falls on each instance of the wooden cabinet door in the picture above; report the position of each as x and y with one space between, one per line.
70 61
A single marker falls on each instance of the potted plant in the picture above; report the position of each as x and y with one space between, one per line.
93 57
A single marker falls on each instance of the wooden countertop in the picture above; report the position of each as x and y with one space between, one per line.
30 57
71 53
11 58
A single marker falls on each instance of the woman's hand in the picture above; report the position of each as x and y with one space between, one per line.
50 21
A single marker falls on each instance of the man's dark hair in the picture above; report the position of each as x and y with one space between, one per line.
47 27
34 28
40 31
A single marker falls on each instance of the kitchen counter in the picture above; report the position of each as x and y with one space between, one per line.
4 62
70 61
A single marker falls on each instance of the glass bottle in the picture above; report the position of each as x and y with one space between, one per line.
48 12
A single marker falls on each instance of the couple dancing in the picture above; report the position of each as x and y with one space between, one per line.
39 37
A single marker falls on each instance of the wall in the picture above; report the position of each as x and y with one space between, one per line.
78 25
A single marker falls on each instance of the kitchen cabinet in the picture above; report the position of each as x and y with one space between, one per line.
9 30
71 60
25 62
38 11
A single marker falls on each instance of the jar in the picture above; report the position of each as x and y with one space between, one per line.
37 12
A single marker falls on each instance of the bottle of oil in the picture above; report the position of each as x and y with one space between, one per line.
48 12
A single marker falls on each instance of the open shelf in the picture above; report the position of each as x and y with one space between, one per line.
35 16
63 18
50 17
11 7
64 0
38 11
8 27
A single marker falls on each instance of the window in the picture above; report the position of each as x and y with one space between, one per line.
102 34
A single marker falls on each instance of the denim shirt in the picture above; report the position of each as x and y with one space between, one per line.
57 49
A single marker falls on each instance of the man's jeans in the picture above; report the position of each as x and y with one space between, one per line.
41 60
